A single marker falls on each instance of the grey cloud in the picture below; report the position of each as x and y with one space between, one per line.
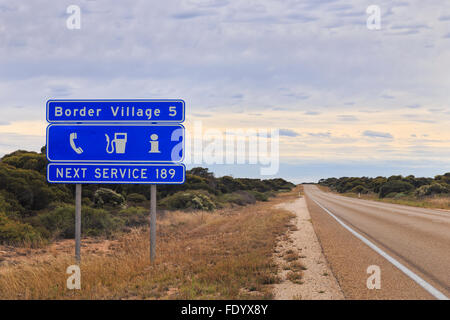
209 3
410 27
345 117
5 9
288 133
191 15
166 49
403 33
320 134
351 14
297 96
60 91
376 134
301 17
340 7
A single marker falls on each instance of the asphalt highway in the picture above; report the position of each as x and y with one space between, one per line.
409 245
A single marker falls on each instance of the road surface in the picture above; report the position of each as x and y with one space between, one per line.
410 245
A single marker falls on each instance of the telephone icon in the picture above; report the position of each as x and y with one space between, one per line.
73 137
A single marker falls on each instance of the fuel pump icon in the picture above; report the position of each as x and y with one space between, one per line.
118 144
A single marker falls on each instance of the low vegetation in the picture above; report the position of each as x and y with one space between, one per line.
422 192
225 254
33 212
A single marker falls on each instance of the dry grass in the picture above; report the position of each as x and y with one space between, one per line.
291 255
295 277
297 266
222 255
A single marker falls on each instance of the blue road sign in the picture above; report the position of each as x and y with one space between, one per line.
116 173
140 110
115 143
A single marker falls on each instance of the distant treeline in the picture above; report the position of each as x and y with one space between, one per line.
394 186
32 210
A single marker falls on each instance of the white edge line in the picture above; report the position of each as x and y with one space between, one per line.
421 282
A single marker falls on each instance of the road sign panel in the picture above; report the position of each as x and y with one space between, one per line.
140 110
116 173
115 143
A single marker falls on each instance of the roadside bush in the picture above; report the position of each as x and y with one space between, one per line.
260 196
360 189
13 232
27 160
241 198
28 187
136 198
134 216
391 195
431 189
108 197
395 186
189 200
60 222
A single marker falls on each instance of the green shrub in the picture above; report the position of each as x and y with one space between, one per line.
27 160
395 186
391 195
189 200
29 188
400 195
60 222
260 196
134 216
431 189
359 189
13 232
108 197
241 198
136 198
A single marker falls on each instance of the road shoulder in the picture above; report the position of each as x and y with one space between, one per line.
304 271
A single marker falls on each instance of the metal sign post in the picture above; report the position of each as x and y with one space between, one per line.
116 141
152 222
78 223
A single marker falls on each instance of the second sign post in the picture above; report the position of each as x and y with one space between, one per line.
116 141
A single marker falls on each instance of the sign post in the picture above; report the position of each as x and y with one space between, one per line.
78 223
115 141
152 222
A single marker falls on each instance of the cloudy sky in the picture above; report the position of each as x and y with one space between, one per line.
347 100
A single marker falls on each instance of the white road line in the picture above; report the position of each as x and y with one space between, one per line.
432 290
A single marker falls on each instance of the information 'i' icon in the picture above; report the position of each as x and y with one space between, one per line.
154 144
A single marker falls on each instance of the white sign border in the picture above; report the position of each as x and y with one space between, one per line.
115 124
118 164
116 100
